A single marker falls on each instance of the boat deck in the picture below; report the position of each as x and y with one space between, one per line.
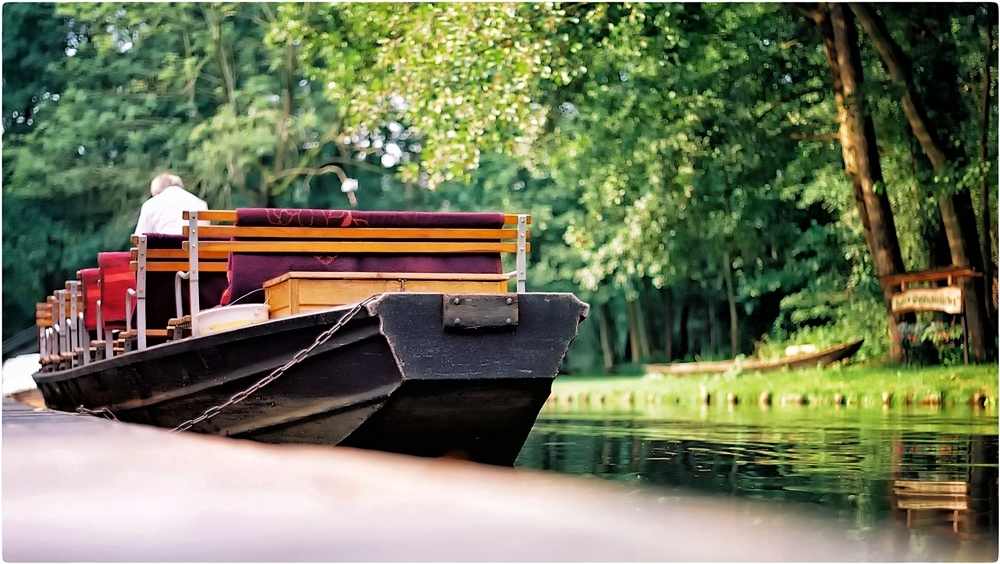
81 488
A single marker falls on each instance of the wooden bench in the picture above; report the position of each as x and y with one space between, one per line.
915 496
43 324
61 332
148 263
294 291
77 338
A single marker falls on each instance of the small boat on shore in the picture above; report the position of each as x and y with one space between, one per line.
792 362
414 362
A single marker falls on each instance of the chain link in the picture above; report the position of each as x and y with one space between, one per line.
276 373
105 412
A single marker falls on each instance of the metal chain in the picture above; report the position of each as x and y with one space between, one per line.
276 373
102 411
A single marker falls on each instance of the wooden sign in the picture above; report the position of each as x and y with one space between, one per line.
948 300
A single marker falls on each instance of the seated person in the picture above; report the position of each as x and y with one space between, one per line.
163 213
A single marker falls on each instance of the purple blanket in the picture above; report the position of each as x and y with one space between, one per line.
249 271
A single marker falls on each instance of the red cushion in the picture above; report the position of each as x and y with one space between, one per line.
116 279
90 280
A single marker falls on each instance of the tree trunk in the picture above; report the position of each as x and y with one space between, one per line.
825 25
193 113
668 324
883 243
605 331
713 331
282 155
633 330
822 19
643 326
684 346
986 223
956 210
214 22
734 327
237 174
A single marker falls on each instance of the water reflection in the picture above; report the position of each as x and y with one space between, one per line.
932 470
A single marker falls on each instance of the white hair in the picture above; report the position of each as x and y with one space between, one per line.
163 181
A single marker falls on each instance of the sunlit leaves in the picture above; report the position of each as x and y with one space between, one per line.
461 76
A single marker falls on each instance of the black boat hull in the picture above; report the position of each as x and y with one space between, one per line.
393 378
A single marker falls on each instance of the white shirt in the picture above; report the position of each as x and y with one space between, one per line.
163 213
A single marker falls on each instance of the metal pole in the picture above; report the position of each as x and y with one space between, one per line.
61 312
84 340
140 293
178 288
522 245
193 271
74 333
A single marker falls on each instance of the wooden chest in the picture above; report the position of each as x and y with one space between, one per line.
301 292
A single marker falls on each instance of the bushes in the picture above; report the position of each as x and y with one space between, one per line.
933 342
826 320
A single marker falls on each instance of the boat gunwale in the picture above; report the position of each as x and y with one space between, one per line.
719 366
152 353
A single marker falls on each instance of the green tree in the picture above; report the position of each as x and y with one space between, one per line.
33 39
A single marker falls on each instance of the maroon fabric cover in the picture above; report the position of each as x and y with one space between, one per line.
249 271
346 218
160 303
116 279
90 282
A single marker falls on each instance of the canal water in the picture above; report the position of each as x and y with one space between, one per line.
931 470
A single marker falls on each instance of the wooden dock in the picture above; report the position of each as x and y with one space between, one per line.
81 488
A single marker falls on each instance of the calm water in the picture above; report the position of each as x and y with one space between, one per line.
932 470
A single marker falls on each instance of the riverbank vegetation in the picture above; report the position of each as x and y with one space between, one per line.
714 179
863 385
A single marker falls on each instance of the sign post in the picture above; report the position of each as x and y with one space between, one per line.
948 299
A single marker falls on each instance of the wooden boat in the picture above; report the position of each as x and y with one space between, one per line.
431 368
803 360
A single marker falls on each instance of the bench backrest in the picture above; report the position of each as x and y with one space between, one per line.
156 272
265 243
43 313
116 279
90 282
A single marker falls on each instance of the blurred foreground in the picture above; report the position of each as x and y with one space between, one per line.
78 488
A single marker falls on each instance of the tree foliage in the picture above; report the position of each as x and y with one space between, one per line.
677 158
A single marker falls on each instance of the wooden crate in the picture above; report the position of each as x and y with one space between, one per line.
301 292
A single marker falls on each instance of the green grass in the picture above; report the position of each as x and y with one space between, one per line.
857 384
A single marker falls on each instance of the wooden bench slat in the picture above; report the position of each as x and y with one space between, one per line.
175 321
396 247
230 216
925 487
407 233
177 266
177 254
213 215
158 333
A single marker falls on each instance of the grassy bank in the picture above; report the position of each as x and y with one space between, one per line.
862 385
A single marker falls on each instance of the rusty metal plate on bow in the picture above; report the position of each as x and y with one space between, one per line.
480 311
